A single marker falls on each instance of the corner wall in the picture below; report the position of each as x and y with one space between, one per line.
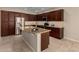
0 23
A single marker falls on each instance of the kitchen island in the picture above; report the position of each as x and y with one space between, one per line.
36 40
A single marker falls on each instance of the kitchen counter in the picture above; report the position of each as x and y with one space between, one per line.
40 30
36 40
55 31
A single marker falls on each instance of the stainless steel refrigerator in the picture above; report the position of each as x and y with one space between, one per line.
19 25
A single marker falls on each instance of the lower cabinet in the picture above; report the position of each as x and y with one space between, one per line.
57 33
4 29
11 28
7 29
44 40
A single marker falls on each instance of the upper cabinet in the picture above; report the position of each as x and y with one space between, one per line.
25 16
51 16
40 17
30 17
11 16
17 14
4 16
56 15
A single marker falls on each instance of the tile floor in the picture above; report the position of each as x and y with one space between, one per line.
16 44
13 44
63 45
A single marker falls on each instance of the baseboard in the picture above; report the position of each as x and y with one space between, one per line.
68 38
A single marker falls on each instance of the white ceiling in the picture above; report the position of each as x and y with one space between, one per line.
37 9
29 9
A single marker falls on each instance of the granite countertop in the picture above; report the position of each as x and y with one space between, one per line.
40 30
42 26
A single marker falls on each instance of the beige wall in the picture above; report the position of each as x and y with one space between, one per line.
71 23
0 23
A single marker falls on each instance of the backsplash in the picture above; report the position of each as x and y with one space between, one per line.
30 22
58 24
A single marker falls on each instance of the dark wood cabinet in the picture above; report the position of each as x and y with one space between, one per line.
7 23
4 16
39 18
26 17
4 23
31 17
23 15
4 29
55 32
11 23
11 29
44 40
17 14
11 17
8 20
56 15
52 16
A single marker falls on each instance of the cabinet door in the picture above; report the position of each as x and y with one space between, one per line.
31 17
57 33
4 23
39 17
4 29
11 17
11 23
17 14
11 28
57 15
26 17
34 17
60 15
22 15
52 16
44 40
4 16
